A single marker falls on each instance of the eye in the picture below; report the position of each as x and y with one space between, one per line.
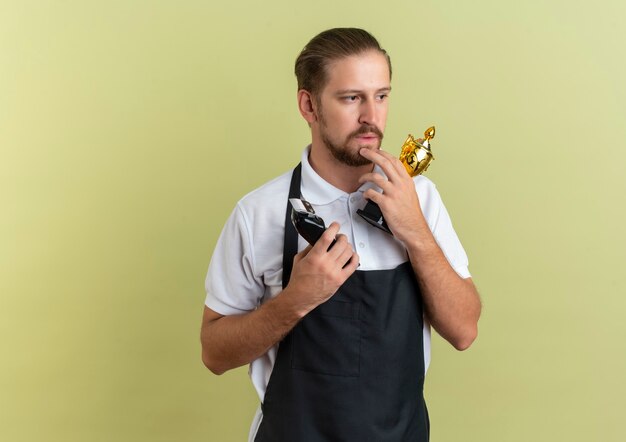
351 98
382 97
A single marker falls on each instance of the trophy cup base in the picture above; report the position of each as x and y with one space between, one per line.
373 215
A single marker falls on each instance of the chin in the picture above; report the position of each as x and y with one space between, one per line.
348 153
375 146
370 146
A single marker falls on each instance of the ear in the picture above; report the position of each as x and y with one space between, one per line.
306 106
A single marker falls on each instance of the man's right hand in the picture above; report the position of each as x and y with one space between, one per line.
318 271
235 340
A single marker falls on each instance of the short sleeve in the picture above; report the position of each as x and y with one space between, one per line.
448 240
232 287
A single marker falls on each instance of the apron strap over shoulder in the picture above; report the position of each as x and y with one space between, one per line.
291 236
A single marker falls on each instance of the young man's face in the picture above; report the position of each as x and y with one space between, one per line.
352 107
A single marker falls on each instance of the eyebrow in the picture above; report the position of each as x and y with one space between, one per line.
357 91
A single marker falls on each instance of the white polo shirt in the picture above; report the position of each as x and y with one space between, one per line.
246 267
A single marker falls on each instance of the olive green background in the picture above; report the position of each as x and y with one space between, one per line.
129 129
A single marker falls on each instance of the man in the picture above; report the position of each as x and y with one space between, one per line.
338 340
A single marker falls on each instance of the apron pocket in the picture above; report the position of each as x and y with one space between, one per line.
328 340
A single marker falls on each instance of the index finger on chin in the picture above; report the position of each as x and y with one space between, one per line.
395 162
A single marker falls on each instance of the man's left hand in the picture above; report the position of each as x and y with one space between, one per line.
398 201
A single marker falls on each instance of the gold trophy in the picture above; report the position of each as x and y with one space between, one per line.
416 157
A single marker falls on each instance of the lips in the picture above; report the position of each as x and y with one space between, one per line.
367 136
367 132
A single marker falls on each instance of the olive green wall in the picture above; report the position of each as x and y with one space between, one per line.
129 129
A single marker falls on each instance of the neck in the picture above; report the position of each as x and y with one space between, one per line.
340 175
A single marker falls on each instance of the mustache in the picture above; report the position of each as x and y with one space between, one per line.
367 129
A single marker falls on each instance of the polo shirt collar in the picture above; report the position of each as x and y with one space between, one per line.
317 190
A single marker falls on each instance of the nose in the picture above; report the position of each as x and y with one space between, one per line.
369 113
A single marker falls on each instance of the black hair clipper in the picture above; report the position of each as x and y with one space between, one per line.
307 223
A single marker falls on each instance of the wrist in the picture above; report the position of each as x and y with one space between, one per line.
420 241
290 306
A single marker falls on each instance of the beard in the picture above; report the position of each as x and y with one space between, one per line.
342 152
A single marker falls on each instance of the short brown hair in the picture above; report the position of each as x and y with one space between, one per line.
331 45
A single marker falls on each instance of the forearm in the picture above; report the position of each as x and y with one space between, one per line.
232 341
451 303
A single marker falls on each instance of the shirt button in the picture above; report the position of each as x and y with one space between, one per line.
361 244
353 199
